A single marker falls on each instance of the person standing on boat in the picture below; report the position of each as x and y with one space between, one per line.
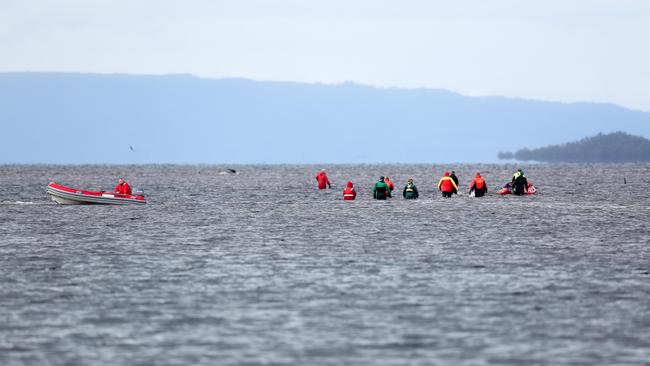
478 186
349 194
122 187
447 186
380 191
323 181
410 190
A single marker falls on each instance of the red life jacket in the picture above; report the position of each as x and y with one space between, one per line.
390 184
349 194
126 189
322 179
447 185
479 183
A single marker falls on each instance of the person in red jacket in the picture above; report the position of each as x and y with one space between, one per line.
447 186
478 185
389 183
122 187
118 187
349 194
323 181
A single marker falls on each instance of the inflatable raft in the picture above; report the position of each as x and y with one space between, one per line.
72 196
530 189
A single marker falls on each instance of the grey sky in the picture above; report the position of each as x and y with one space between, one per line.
553 49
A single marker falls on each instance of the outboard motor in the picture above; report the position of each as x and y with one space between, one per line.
138 192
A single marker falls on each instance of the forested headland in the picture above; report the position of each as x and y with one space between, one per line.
616 147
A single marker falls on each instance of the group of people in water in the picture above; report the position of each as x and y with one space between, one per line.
383 188
448 186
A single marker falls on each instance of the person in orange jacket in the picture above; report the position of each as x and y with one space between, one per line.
122 187
389 183
349 194
323 181
447 186
478 185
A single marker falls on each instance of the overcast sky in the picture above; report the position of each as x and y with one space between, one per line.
563 50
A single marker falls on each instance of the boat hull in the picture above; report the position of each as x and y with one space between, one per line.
71 196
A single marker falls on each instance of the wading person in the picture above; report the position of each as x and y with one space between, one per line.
380 190
478 186
323 181
519 183
454 178
349 193
389 183
410 190
447 186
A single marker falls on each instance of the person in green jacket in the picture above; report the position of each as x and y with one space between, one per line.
410 190
381 191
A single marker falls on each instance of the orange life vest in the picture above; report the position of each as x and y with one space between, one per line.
480 183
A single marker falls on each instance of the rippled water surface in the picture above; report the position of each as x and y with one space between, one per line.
261 268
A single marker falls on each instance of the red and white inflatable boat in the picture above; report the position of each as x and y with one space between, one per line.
507 189
72 196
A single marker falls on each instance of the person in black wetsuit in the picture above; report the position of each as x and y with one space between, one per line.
454 177
519 183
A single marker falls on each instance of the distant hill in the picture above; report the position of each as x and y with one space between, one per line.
97 118
617 147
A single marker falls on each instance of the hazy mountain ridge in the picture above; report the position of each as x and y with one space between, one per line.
94 118
617 147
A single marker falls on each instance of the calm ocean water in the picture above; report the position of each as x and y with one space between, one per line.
261 268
